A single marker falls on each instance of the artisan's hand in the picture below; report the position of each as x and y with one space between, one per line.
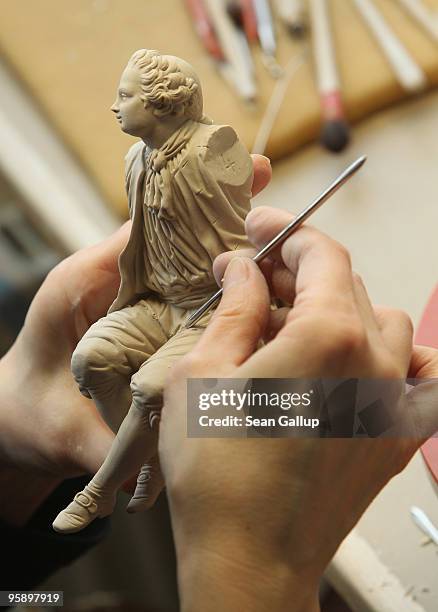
257 520
48 430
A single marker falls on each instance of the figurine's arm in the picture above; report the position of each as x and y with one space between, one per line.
219 171
229 163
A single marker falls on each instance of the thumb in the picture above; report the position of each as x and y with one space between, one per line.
423 409
424 362
104 255
423 399
240 319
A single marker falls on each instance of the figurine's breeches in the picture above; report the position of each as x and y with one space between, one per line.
125 357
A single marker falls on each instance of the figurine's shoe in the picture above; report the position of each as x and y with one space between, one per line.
138 504
141 500
85 507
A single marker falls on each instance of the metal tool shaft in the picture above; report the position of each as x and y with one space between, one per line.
286 232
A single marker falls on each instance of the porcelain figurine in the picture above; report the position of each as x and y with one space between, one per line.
189 184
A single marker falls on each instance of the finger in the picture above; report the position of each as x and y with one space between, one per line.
323 276
396 330
84 284
422 404
262 173
221 262
324 265
104 255
324 310
423 400
366 309
280 280
240 319
424 362
263 223
98 268
277 319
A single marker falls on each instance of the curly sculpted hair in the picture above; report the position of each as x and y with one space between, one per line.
166 89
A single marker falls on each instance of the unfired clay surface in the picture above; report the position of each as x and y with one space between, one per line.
189 184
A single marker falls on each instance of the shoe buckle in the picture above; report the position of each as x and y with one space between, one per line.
88 503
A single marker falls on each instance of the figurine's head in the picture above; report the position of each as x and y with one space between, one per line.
156 88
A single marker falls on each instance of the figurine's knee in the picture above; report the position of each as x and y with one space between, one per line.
94 362
147 393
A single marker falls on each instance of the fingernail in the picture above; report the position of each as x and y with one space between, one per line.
236 272
267 159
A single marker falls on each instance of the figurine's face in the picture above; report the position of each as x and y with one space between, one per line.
129 108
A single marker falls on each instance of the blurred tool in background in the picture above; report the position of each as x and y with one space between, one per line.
335 131
249 20
276 100
235 12
230 28
204 28
229 37
266 34
408 73
207 33
427 19
293 13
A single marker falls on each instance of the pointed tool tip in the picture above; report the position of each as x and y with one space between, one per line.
355 166
361 160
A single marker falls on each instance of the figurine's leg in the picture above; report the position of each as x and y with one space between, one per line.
136 441
107 355
150 480
102 364
134 444
150 483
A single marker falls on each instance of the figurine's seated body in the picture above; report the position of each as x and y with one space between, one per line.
188 199
166 267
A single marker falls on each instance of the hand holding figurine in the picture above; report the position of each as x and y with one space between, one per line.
50 432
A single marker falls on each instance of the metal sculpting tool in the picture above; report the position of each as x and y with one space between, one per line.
286 232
